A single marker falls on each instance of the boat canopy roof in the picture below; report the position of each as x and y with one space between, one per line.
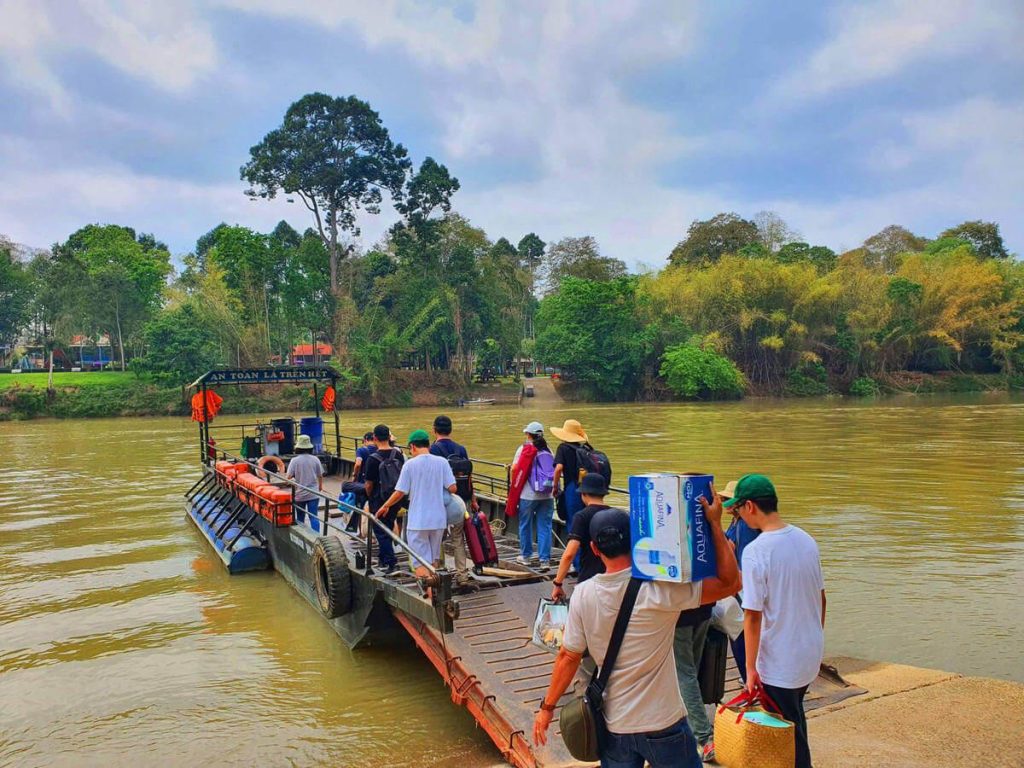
278 375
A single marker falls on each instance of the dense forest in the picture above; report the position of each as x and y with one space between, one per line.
742 305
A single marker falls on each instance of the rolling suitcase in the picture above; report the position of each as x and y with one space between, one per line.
711 674
480 542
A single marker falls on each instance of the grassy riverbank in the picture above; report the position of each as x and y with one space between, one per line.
88 395
111 393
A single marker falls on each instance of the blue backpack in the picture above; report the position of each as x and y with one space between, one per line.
542 474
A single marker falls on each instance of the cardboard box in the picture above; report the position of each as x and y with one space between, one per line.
700 544
670 537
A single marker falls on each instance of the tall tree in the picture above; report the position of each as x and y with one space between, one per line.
579 257
707 241
882 248
773 231
983 235
336 155
15 296
126 276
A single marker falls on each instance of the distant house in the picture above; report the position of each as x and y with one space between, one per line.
302 354
87 353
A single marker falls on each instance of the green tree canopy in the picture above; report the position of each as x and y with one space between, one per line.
591 330
336 155
983 235
707 241
15 296
581 258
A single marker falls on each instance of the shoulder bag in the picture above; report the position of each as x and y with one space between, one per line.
582 719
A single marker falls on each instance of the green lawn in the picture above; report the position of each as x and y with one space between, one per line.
61 379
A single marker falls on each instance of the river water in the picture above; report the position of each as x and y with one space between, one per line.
123 641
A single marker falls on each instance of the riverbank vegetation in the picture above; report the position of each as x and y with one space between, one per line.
741 306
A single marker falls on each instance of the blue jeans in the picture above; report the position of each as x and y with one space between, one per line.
307 507
385 544
688 647
542 511
573 504
673 747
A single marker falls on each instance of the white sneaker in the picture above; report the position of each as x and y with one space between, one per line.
545 565
522 560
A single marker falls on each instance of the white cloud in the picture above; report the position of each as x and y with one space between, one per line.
544 85
877 39
166 44
106 192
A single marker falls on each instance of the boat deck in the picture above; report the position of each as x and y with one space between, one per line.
492 667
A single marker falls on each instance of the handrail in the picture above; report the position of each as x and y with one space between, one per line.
506 467
404 546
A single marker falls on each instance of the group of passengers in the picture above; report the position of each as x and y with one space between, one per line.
653 706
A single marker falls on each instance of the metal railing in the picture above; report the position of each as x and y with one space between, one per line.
325 520
497 485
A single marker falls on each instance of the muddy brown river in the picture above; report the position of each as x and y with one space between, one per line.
124 642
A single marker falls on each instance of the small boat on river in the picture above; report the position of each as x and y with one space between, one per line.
480 643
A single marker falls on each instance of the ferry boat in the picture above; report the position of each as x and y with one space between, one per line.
480 642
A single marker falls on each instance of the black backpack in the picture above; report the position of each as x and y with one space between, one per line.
590 460
390 469
462 468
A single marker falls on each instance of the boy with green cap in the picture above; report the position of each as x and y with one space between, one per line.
783 605
424 479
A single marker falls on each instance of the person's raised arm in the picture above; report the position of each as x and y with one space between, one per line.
726 581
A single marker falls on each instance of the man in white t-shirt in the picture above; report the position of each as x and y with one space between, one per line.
644 712
424 478
783 605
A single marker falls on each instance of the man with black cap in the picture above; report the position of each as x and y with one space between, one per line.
593 488
783 605
643 711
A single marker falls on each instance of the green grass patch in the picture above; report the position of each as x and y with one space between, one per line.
67 379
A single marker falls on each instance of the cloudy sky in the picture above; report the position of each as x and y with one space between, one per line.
625 120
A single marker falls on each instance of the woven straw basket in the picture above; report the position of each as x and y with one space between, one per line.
740 743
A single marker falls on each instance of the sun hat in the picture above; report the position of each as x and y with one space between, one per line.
729 491
419 436
570 432
302 442
750 487
593 484
534 428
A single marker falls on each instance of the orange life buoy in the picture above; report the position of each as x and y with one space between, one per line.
264 461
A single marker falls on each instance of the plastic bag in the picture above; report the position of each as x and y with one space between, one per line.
549 626
727 617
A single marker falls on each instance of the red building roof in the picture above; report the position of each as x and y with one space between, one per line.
307 349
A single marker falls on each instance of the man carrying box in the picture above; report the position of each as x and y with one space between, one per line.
645 715
783 605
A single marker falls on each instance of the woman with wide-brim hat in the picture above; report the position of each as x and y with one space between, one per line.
567 465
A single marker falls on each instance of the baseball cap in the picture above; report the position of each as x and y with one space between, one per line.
593 484
419 436
609 529
534 428
750 487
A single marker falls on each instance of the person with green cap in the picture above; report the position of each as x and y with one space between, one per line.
783 605
424 478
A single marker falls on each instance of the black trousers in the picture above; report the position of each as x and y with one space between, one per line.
791 702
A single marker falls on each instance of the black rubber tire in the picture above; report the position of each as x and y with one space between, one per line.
332 577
